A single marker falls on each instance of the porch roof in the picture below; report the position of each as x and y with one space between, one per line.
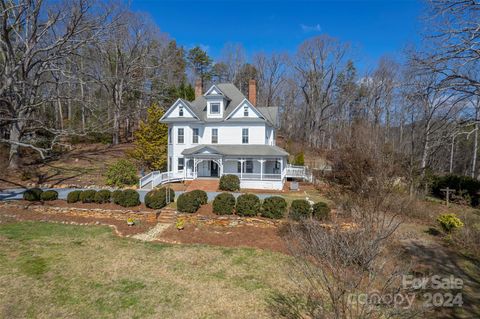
236 150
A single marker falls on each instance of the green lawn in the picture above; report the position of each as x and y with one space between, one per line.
65 271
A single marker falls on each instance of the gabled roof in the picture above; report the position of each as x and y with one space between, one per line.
237 150
234 98
186 104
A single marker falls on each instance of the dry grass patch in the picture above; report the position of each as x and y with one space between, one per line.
60 271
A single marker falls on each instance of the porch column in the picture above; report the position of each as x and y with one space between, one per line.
261 168
241 168
281 169
221 167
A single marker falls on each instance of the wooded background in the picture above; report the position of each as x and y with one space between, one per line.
86 70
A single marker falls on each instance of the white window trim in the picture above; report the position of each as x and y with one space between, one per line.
180 128
248 135
193 135
211 140
211 109
178 164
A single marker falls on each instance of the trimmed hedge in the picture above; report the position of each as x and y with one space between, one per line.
300 209
248 205
229 183
49 195
224 204
274 207
129 198
73 196
32 194
200 195
320 211
188 203
103 196
88 196
157 198
117 196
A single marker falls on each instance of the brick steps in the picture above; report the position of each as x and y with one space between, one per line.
167 215
208 185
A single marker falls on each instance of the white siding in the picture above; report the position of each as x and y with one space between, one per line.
239 112
175 111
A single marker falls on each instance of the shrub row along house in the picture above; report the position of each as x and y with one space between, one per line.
222 132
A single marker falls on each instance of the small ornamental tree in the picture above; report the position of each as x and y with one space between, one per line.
151 140
299 159
121 173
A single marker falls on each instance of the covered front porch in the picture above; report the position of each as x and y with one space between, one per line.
246 168
257 166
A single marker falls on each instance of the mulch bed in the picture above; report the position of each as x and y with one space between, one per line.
24 214
239 236
204 227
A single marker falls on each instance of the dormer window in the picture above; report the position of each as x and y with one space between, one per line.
215 108
245 111
180 110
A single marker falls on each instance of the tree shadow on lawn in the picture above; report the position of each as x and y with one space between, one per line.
445 262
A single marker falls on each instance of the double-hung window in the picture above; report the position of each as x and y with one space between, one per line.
215 108
169 136
245 111
195 135
245 136
181 136
214 135
181 163
180 110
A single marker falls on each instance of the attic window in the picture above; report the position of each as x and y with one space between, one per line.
215 108
245 111
180 110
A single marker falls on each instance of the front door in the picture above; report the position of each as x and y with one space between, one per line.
213 169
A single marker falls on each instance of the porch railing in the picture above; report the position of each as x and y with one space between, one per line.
156 178
296 171
256 176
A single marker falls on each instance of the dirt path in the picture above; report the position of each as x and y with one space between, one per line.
152 233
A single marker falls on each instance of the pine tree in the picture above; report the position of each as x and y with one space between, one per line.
151 141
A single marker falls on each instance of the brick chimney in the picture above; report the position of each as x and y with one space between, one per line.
252 92
198 88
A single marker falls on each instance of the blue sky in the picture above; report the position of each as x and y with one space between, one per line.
373 28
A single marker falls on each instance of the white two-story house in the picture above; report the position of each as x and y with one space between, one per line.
223 132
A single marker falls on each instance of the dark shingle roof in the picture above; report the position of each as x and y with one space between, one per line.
234 98
238 150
